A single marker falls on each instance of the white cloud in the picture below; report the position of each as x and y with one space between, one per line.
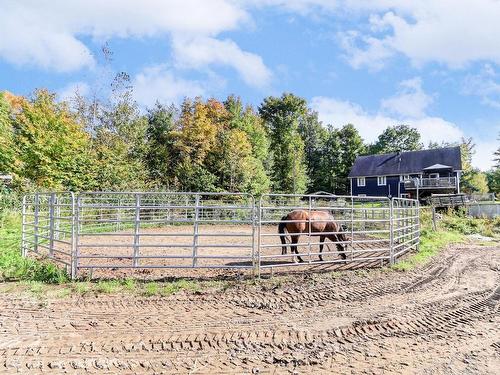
338 113
485 84
203 51
370 125
452 32
157 83
410 100
46 34
483 157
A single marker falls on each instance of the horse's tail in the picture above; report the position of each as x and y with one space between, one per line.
282 231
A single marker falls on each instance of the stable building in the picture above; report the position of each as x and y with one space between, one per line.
410 174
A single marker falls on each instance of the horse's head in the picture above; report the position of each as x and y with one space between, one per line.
342 237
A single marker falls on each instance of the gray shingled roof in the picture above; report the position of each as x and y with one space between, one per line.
405 162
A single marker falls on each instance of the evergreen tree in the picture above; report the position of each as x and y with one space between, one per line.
314 136
351 146
159 156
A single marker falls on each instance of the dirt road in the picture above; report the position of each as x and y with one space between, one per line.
440 319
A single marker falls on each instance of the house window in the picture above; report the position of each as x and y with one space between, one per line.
405 177
361 181
404 195
381 180
433 175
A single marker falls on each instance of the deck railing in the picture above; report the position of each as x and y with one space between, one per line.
426 183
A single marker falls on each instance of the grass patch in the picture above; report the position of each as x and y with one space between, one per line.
431 243
107 286
129 284
63 293
151 289
182 284
13 266
36 288
452 227
82 287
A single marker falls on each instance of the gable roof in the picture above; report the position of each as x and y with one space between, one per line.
408 162
438 166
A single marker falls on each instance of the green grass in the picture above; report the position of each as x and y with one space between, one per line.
108 286
82 287
431 243
453 227
13 266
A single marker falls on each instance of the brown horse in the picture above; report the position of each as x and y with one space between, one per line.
320 222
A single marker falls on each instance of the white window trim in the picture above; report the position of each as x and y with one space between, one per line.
405 177
434 175
384 180
361 182
404 195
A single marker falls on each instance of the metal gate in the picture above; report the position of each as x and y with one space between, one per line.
156 230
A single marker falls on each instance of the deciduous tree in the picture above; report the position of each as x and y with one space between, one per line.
282 117
397 138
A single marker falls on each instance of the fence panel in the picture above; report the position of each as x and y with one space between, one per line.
47 226
363 234
165 230
406 225
141 230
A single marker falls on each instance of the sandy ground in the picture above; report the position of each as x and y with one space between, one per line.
440 319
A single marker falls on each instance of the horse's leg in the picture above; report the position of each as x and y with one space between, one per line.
340 247
321 240
282 231
293 247
283 241
341 250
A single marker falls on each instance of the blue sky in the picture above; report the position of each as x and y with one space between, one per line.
430 64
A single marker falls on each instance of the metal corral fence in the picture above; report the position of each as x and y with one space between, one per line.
484 209
141 230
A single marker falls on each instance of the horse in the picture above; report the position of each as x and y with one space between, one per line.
320 222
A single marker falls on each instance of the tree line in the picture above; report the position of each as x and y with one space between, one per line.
200 145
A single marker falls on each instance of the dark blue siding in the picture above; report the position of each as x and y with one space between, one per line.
372 188
394 186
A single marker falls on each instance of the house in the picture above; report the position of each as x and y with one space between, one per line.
5 179
412 174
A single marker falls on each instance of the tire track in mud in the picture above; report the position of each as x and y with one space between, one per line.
478 305
225 334
120 307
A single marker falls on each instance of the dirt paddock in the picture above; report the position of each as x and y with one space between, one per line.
228 246
439 319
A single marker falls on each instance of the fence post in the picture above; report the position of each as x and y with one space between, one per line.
391 231
417 214
51 224
137 223
434 227
352 228
23 229
57 218
195 229
35 222
259 228
75 222
254 229
309 224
